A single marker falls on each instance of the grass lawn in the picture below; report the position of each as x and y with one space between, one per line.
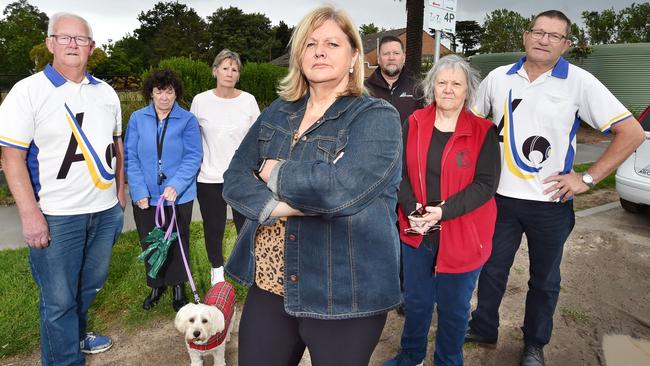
5 195
118 305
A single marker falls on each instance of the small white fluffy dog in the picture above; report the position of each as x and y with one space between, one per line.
200 322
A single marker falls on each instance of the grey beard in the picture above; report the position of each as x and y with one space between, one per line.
394 72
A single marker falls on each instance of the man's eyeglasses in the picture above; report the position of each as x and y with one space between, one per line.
65 40
552 37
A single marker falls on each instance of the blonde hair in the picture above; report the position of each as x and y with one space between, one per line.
294 86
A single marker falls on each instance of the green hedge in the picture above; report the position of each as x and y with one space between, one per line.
261 80
196 76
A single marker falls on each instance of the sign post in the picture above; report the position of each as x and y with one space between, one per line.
439 15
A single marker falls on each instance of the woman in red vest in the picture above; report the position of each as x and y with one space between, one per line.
446 211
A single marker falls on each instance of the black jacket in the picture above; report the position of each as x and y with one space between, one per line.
404 94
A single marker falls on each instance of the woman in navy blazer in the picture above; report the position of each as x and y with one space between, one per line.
162 157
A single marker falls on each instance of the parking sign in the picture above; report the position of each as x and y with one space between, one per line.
440 15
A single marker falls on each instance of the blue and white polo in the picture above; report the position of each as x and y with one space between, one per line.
538 121
67 130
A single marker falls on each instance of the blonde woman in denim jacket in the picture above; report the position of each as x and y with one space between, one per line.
317 178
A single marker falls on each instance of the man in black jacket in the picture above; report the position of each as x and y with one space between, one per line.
390 81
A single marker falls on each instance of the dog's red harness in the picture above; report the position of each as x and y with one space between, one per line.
221 295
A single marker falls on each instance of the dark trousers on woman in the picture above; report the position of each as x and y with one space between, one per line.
547 226
423 289
271 337
172 271
213 212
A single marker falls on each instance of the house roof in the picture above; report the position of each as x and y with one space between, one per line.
370 41
282 60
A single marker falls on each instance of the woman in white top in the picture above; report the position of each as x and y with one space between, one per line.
225 114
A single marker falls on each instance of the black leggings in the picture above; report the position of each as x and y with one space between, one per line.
271 337
213 212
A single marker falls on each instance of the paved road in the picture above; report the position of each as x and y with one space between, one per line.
10 227
11 231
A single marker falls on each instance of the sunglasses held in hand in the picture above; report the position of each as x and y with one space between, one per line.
419 212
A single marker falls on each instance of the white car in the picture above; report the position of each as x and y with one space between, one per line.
633 176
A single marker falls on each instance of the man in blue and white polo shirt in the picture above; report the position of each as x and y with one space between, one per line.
60 132
537 105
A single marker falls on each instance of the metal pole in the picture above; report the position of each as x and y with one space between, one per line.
436 56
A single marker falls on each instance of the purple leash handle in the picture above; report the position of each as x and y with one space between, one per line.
160 213
180 244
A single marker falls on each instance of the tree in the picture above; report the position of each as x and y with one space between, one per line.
634 24
468 33
23 27
601 27
282 35
366 29
581 47
170 29
414 24
249 35
502 31
126 57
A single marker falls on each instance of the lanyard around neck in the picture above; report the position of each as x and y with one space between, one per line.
160 139
160 134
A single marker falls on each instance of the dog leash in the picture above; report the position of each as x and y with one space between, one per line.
160 213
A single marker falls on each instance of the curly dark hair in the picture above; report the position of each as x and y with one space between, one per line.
162 79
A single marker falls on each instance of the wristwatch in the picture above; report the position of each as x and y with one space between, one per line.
588 180
258 169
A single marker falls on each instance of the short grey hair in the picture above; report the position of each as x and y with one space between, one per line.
451 62
63 15
224 55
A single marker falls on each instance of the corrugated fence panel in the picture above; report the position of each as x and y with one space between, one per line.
623 68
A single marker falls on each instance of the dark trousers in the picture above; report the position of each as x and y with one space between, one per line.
213 212
547 225
423 289
271 337
172 271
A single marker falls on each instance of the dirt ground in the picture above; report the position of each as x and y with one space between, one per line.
605 290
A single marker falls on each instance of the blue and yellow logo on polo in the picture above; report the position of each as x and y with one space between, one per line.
515 164
101 178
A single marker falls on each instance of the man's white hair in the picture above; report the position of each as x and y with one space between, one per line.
63 15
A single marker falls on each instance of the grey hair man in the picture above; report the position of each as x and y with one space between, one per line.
68 185
538 104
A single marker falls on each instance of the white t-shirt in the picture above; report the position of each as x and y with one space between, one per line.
224 123
67 130
538 121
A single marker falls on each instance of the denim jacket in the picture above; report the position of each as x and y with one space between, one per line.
341 260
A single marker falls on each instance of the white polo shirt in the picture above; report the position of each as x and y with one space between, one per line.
538 121
224 124
67 130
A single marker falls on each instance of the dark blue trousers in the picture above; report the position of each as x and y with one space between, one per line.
547 225
423 289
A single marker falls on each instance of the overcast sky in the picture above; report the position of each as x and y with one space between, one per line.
112 19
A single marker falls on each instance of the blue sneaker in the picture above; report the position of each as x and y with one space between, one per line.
402 359
95 343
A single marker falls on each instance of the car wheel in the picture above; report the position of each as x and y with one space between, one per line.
633 207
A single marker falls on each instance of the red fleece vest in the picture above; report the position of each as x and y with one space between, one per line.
221 295
466 241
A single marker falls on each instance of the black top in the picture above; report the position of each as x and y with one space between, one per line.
482 188
405 94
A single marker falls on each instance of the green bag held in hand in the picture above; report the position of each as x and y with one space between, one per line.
159 241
